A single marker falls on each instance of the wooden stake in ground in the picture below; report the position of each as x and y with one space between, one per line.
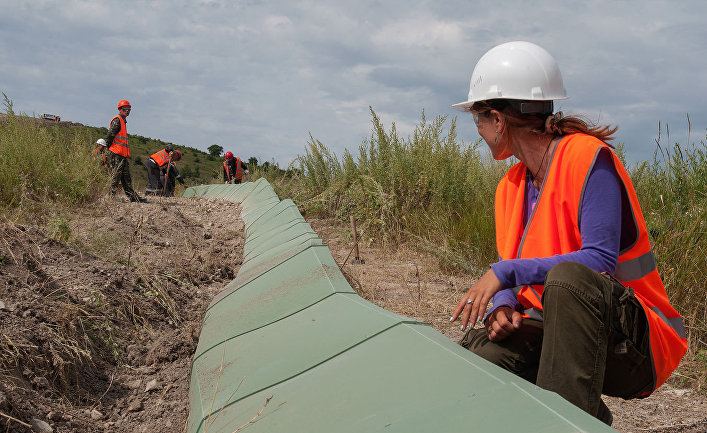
356 260
166 176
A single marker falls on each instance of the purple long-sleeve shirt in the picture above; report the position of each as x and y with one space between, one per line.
600 229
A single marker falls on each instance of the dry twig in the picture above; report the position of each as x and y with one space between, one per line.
15 419
252 420
104 394
218 379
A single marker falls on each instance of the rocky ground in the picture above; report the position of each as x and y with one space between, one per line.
99 317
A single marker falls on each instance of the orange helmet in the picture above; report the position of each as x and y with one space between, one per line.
177 155
124 103
228 155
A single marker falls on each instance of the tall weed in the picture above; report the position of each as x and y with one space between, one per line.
42 169
427 188
672 189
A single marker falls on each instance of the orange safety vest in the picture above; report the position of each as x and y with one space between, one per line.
553 228
239 171
160 157
120 142
103 162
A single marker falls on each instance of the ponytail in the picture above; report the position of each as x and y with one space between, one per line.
545 122
577 124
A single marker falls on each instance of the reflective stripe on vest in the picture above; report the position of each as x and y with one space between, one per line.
637 268
239 171
160 157
554 229
675 323
120 142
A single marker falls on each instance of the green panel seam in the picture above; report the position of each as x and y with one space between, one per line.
265 272
261 326
269 204
273 216
247 257
543 404
402 322
283 229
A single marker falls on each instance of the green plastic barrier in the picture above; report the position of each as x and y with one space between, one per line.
295 234
289 346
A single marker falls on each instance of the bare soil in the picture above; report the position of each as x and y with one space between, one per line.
102 340
99 317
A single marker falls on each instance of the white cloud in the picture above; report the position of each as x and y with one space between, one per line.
421 32
259 76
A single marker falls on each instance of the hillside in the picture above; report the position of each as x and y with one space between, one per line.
196 166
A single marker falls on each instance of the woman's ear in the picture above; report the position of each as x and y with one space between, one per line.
498 120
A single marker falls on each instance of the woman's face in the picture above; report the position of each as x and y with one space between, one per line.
488 124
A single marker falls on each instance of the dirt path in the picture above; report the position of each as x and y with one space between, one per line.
102 341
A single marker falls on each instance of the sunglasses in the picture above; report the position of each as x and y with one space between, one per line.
476 115
125 109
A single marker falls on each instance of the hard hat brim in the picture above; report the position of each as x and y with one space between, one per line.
466 105
463 106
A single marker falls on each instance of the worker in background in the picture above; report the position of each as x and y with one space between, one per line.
578 305
119 153
156 166
172 176
101 149
233 169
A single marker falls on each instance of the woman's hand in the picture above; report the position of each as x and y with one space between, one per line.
502 322
473 304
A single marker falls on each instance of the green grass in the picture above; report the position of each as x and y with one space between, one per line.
196 167
44 170
427 189
672 188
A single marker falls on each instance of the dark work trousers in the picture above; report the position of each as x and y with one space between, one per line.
593 339
155 178
120 171
171 183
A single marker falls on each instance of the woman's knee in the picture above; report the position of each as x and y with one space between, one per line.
568 272
576 278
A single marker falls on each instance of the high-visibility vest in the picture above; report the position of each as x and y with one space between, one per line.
160 157
95 155
120 142
239 171
553 228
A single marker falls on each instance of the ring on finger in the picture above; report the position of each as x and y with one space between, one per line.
469 301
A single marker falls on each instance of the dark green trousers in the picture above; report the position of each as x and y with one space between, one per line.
120 171
593 340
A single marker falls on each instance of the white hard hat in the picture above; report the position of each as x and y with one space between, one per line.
102 142
515 70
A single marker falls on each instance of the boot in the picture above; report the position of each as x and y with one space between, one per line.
604 415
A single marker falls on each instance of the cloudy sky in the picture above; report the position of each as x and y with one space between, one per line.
258 76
